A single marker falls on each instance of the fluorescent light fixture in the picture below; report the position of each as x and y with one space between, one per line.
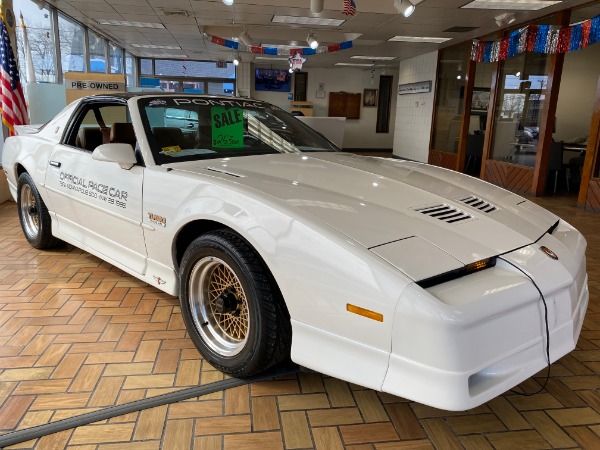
295 20
286 47
519 5
354 64
375 58
419 39
164 47
125 23
266 58
404 7
312 41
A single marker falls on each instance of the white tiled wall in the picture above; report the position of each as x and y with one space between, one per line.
414 112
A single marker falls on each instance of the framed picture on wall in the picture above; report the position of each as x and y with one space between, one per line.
481 101
370 98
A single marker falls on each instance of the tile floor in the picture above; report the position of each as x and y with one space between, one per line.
77 335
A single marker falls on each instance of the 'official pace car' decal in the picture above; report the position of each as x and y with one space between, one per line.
103 192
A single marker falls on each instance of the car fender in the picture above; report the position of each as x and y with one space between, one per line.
33 154
318 270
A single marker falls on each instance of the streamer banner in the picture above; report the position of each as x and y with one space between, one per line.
275 51
549 39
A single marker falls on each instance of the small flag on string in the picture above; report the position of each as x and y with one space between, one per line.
12 101
349 7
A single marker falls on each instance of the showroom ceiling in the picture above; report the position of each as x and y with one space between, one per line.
174 28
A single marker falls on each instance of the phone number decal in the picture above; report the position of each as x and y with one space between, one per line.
103 192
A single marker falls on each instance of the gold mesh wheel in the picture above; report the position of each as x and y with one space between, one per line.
29 212
219 306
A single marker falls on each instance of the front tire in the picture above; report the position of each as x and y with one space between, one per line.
33 215
231 305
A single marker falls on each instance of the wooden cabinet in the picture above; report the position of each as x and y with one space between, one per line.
344 104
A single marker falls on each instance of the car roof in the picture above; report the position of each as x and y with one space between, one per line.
130 95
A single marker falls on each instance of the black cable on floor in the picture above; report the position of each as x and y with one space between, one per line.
541 389
16 437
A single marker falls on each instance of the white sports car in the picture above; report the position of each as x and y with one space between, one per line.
394 275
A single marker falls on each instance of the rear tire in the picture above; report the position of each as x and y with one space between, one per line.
231 306
33 215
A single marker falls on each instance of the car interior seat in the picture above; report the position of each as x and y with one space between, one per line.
122 133
88 138
169 137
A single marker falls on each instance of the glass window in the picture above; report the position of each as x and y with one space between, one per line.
220 88
169 86
89 134
97 47
450 94
197 69
129 64
519 107
116 59
41 42
71 37
193 128
193 87
146 66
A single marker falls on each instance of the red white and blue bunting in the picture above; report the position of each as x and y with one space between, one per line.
306 51
550 39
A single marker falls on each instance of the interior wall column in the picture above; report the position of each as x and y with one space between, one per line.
463 135
540 173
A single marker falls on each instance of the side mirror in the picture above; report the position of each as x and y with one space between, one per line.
123 154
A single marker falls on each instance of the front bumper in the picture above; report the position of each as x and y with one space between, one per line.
462 343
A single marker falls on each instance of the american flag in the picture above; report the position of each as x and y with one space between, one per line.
349 7
12 102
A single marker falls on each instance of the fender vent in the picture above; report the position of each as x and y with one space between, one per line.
444 212
477 203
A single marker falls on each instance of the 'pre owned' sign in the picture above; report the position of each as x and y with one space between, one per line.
91 85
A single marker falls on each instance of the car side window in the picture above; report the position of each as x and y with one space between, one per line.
102 124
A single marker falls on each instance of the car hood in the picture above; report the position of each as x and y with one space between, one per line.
376 201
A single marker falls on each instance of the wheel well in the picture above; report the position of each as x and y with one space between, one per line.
20 170
190 232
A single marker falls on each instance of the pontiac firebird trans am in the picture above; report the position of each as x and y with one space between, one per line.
394 275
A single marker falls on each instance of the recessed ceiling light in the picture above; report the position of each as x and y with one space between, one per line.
125 23
521 5
354 64
165 47
317 21
420 39
375 58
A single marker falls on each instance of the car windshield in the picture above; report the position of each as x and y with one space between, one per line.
194 128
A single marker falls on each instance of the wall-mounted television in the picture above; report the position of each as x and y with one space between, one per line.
276 80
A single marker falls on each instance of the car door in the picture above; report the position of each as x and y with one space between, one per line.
98 205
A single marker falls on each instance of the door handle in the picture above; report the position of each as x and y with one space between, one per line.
55 163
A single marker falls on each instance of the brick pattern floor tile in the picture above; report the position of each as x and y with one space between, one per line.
77 334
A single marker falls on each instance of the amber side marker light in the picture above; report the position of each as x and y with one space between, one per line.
364 312
458 273
479 265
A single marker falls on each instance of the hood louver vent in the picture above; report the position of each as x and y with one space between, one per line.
444 212
479 204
